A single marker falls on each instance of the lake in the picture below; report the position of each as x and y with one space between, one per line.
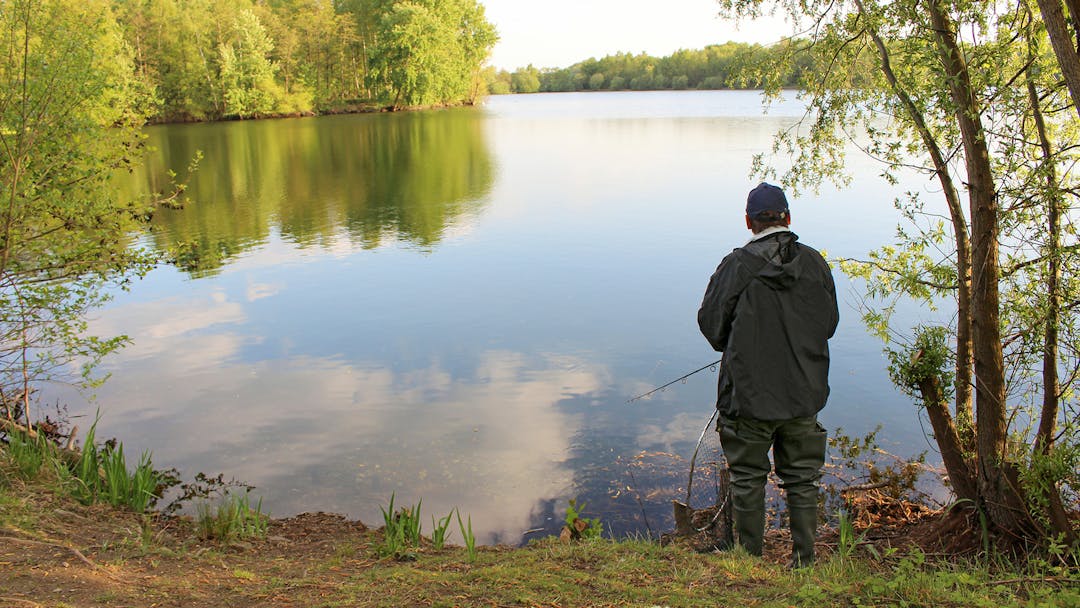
455 306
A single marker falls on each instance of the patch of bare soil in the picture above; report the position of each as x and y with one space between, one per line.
76 555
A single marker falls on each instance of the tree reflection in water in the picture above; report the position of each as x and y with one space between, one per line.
359 179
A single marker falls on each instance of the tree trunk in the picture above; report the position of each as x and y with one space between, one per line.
952 452
1064 48
960 236
998 491
1044 438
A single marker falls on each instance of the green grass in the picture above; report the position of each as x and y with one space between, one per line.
12 510
551 573
28 455
639 573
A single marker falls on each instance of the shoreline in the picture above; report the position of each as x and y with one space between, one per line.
335 111
56 551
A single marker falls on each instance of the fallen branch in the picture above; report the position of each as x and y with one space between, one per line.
73 550
70 445
865 487
7 424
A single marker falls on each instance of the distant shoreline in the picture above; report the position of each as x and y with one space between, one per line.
335 111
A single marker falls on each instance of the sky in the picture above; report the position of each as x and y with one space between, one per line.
559 33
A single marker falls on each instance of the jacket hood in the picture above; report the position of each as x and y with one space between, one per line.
783 268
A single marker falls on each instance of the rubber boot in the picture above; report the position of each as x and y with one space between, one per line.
803 532
750 526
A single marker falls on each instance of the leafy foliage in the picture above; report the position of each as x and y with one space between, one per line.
928 357
69 114
576 527
209 59
862 461
439 529
467 535
202 488
247 74
401 530
428 52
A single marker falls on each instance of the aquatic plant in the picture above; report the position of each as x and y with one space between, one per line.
470 539
401 530
439 529
102 475
232 518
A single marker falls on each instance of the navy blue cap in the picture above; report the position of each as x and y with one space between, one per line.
766 197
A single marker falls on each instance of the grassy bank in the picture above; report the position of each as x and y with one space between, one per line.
58 551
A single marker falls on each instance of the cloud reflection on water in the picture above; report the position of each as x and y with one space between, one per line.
323 433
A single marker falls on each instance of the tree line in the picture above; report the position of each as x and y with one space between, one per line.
214 59
732 65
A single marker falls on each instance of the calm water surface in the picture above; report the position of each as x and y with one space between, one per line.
454 306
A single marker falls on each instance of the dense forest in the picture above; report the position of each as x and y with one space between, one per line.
201 60
732 65
214 59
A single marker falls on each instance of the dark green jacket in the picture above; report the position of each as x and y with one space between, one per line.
771 308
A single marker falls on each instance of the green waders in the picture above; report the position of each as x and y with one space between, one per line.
798 447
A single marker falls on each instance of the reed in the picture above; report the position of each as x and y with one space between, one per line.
439 529
470 539
401 530
232 518
101 475
847 540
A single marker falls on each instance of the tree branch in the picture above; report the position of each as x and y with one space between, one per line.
893 271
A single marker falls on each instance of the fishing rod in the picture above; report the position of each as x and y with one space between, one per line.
679 379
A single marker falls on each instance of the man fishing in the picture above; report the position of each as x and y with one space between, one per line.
771 308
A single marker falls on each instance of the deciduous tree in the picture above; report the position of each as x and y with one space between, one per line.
247 74
69 117
427 52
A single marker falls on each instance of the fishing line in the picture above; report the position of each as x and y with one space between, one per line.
711 366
